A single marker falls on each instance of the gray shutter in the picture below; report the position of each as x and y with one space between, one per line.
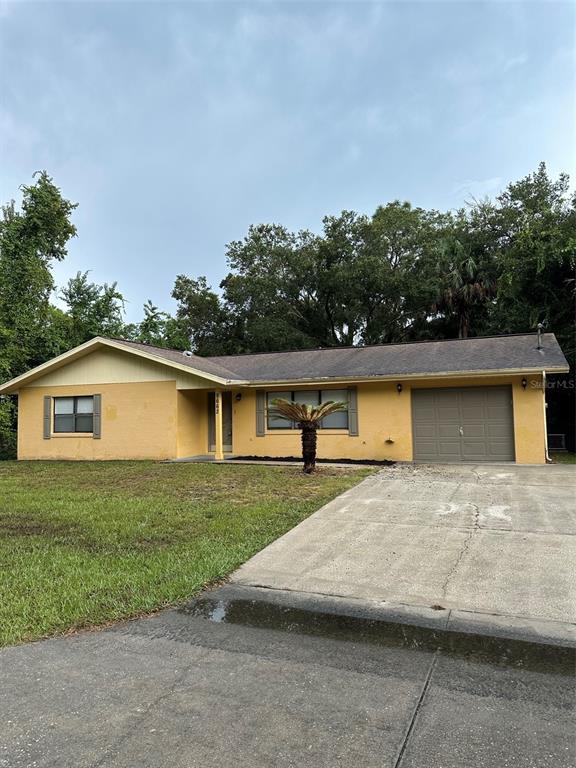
47 417
260 414
97 417
352 411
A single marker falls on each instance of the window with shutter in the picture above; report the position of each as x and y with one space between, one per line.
74 414
338 420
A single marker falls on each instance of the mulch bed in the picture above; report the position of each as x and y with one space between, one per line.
367 462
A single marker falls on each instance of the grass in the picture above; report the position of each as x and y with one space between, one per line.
563 457
87 543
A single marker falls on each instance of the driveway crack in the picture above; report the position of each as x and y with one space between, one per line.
465 547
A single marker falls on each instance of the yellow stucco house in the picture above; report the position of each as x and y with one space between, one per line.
479 399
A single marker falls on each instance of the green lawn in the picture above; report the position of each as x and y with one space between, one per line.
563 457
88 543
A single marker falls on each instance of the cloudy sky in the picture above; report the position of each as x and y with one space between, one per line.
175 125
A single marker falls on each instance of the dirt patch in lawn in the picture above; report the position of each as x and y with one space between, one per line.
31 525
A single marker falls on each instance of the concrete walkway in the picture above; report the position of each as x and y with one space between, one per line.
492 546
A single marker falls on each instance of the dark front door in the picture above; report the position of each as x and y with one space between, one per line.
226 422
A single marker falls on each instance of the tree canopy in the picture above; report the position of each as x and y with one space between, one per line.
402 274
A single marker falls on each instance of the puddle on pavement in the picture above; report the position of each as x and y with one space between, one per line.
356 629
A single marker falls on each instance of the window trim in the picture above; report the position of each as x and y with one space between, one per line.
291 425
74 414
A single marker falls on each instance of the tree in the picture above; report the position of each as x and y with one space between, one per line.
394 275
308 418
533 229
31 239
466 287
152 330
360 281
268 296
339 277
201 320
158 328
92 309
7 427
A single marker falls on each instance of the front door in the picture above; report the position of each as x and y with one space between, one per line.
226 422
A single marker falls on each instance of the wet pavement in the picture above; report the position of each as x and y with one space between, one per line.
233 681
353 623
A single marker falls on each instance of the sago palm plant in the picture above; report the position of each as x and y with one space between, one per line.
308 418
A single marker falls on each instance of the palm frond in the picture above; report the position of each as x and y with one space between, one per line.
303 413
329 407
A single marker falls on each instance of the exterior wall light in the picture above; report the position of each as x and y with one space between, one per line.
524 383
399 387
238 397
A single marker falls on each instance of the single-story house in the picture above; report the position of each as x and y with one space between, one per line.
477 399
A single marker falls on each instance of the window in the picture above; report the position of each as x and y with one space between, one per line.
338 420
73 414
274 420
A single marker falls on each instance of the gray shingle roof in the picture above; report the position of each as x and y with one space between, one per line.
497 353
205 364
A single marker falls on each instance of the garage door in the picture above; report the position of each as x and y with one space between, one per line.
467 424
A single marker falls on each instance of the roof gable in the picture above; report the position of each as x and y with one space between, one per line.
210 373
108 365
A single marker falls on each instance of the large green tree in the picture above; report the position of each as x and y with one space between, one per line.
394 277
202 325
466 279
32 237
532 228
268 296
158 328
359 282
92 309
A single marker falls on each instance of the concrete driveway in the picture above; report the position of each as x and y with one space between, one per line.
489 544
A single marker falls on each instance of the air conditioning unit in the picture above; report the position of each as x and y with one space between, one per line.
557 442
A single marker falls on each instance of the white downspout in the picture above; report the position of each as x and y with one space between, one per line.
546 454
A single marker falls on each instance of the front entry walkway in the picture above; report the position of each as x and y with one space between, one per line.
484 543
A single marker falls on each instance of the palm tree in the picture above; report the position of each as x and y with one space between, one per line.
465 287
308 418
